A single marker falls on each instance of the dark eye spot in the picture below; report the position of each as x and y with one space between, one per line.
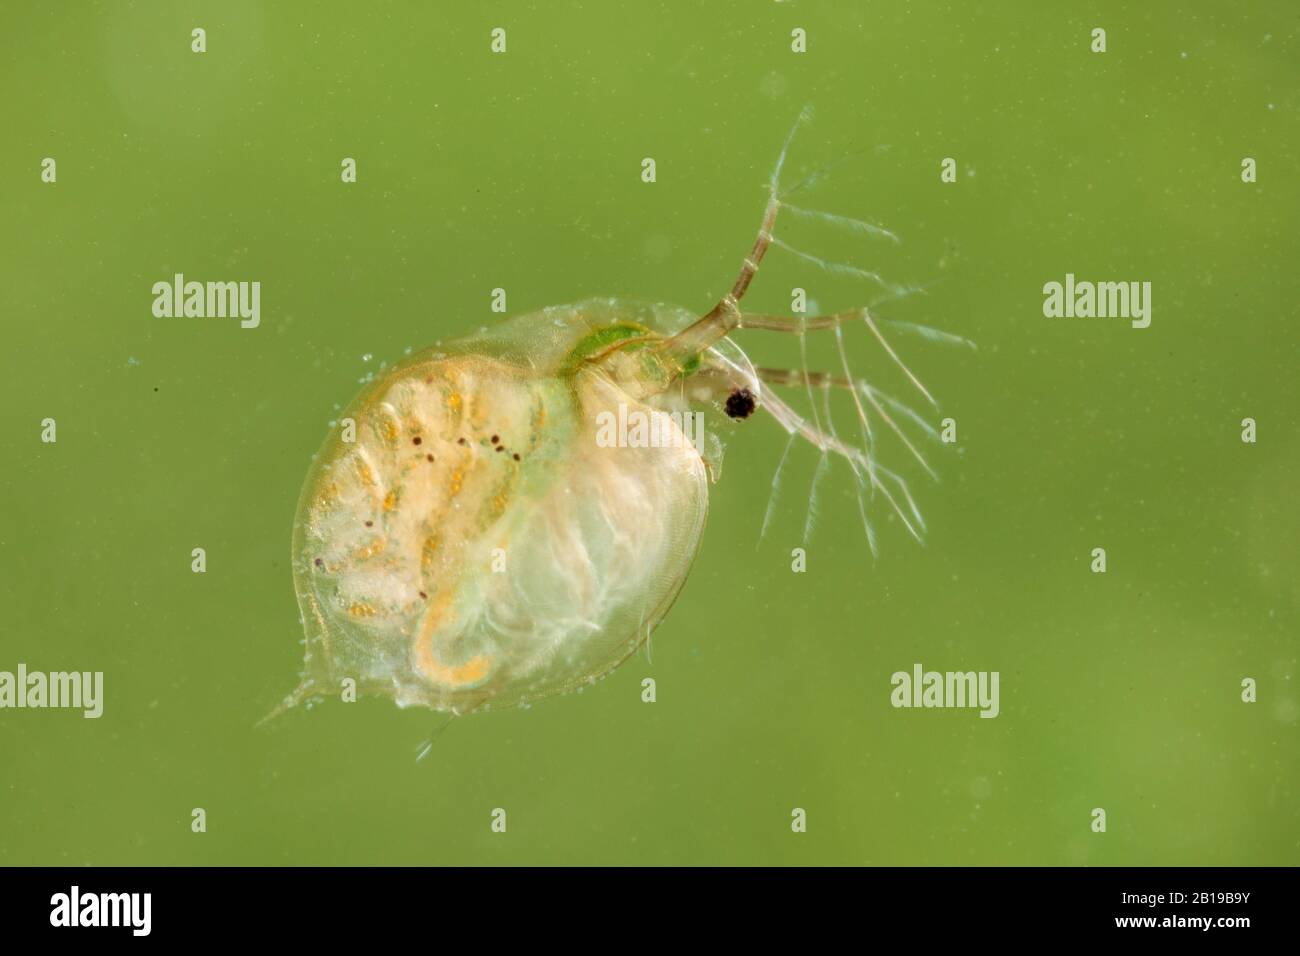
320 563
370 524
740 403
416 440
428 458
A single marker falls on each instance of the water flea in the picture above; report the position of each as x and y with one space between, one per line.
602 528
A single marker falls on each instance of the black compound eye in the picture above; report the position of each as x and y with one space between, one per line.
740 403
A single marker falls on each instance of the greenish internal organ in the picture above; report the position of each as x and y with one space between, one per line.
600 341
650 375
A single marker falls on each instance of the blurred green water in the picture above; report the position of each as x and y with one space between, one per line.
522 171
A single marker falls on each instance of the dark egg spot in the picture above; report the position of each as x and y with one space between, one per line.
423 595
740 403
416 440
501 447
320 563
370 524
516 456
460 441
496 439
428 458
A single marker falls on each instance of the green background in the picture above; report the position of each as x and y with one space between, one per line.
1119 690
